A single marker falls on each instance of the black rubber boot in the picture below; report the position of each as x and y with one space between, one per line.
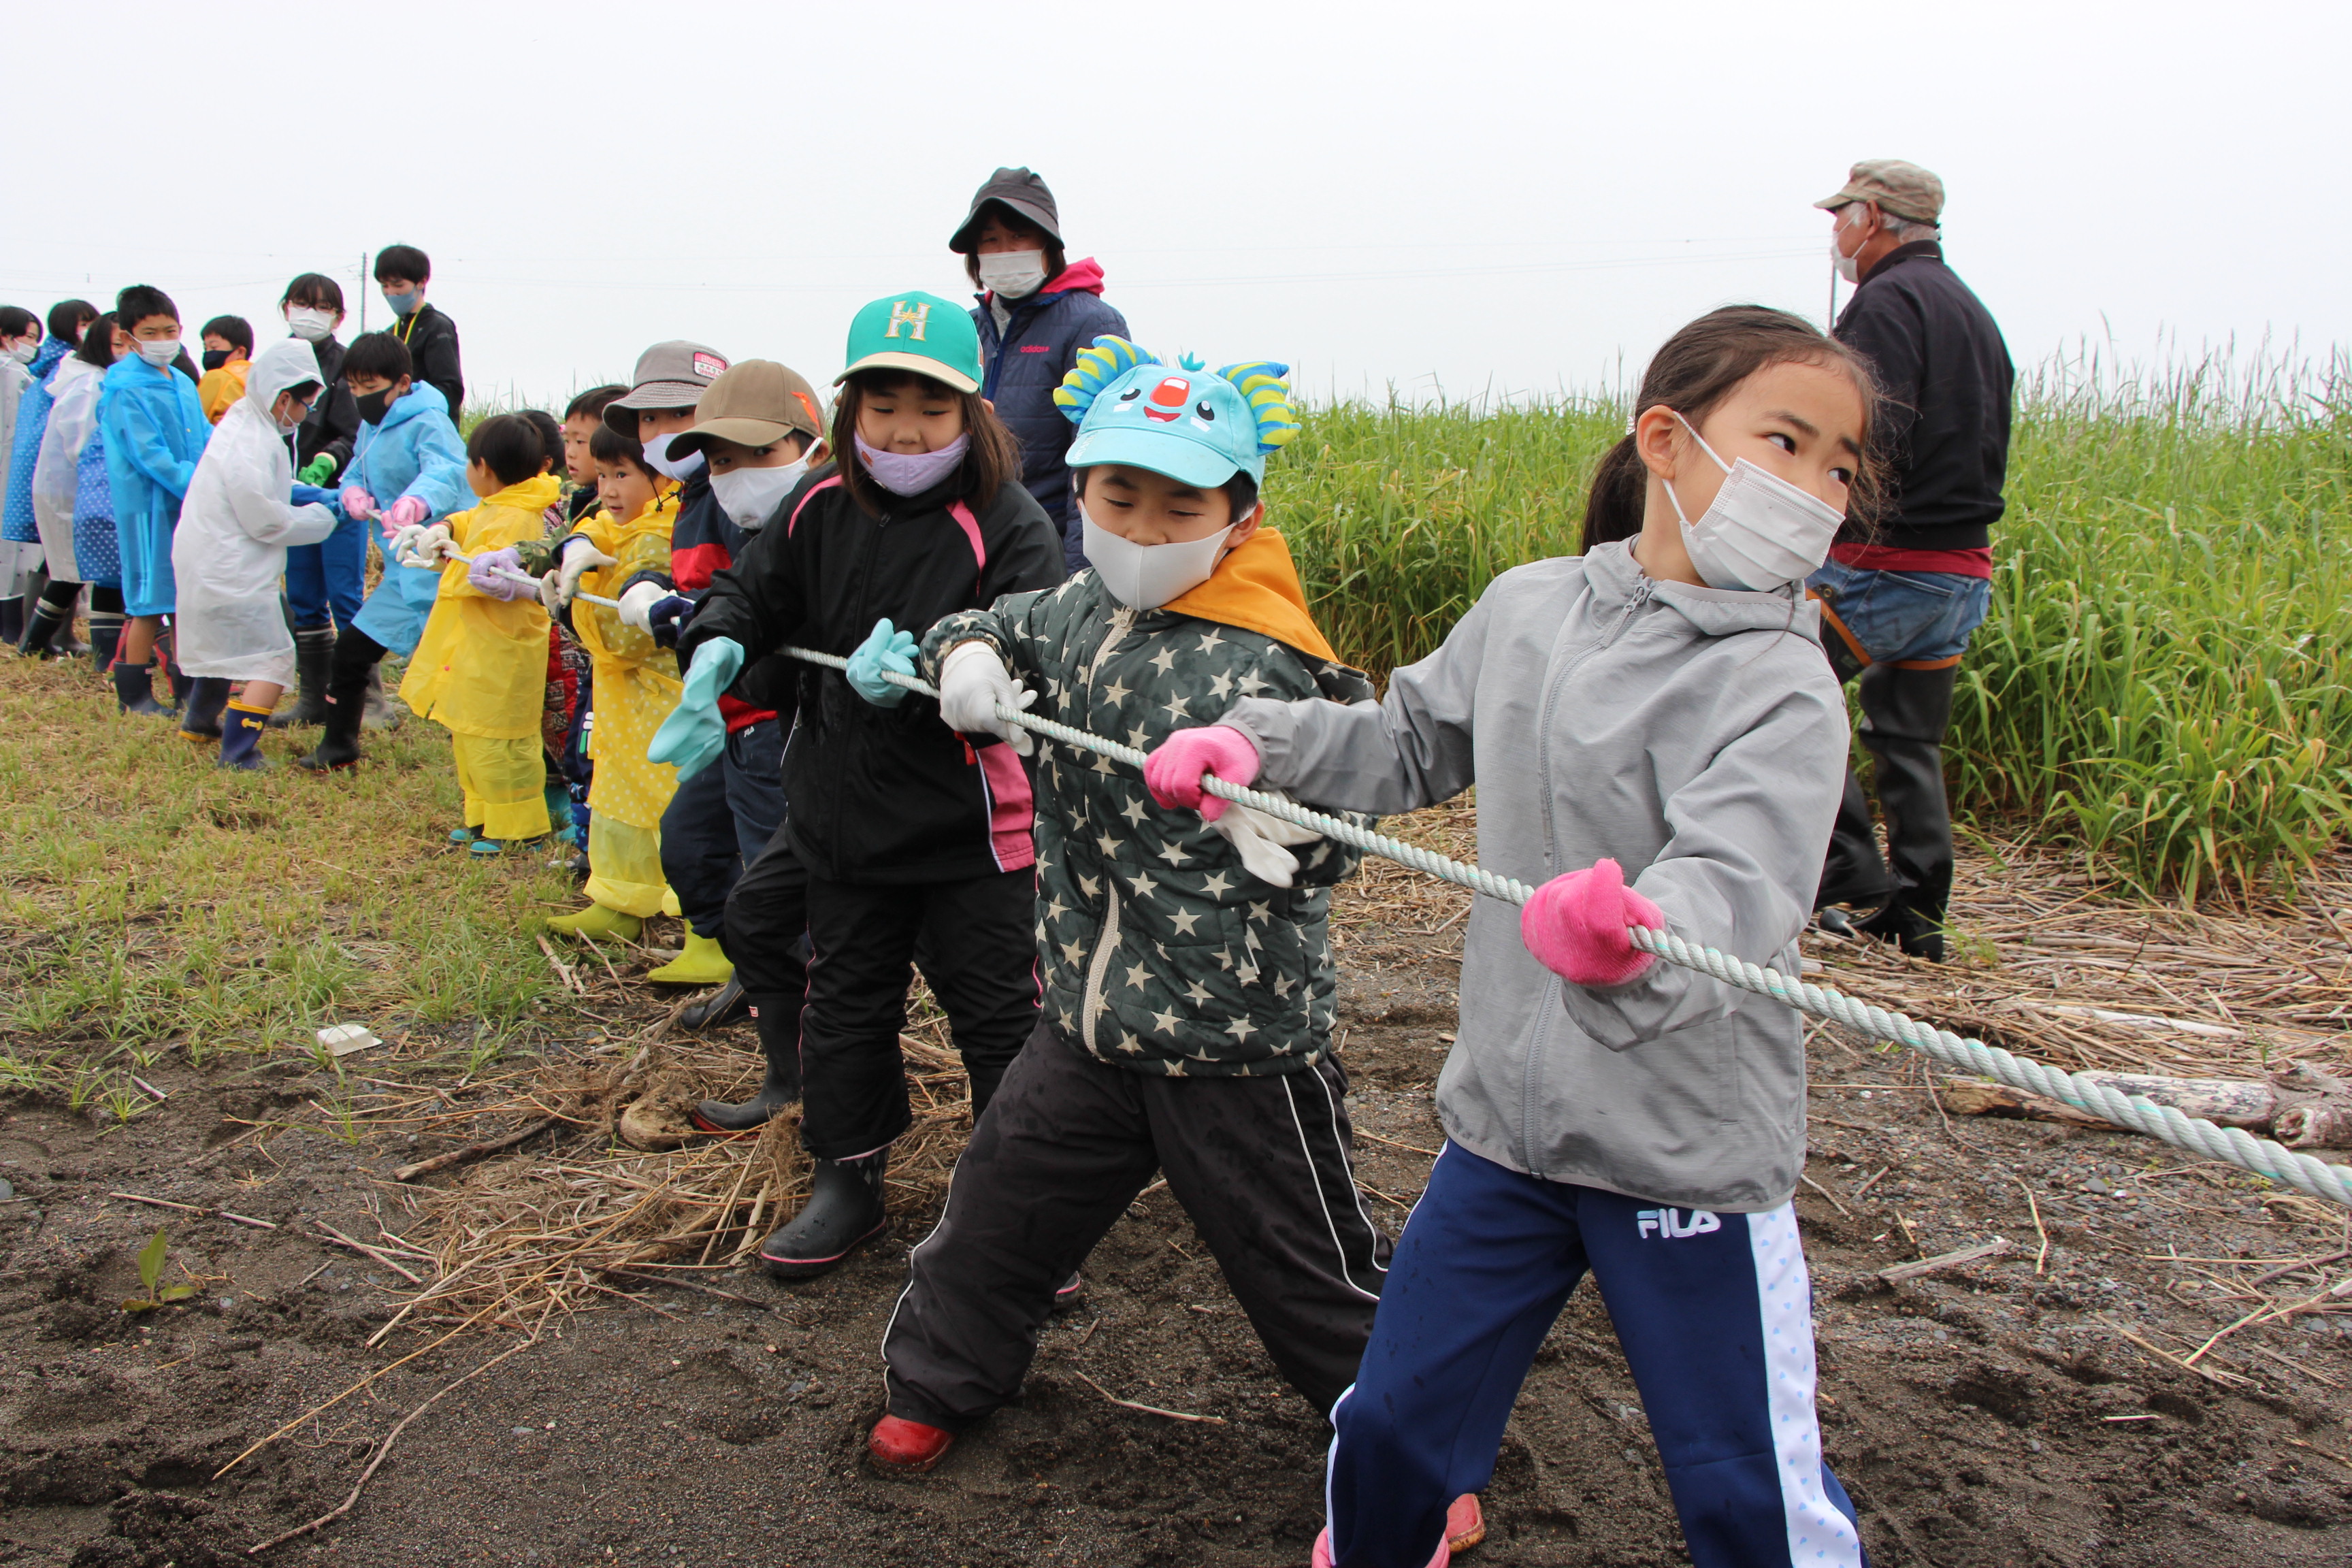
105 636
339 746
842 1215
376 712
134 690
722 1007
1853 872
12 619
779 1021
200 717
1905 713
314 660
40 627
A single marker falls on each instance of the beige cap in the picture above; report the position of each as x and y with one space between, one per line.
1892 186
752 403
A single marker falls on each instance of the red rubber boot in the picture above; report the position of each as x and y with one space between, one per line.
902 1447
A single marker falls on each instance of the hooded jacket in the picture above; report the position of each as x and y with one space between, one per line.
636 681
1694 734
229 551
67 426
155 430
333 423
883 795
431 339
1025 361
412 450
480 667
32 420
706 540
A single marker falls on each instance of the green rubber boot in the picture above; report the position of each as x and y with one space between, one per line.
704 962
596 920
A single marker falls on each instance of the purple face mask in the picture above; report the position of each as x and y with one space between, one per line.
912 473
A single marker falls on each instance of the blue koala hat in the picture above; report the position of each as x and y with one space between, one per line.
1195 427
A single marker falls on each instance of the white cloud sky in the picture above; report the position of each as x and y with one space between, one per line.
1466 196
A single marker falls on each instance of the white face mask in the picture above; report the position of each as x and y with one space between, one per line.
1012 274
1146 576
1849 267
23 350
311 326
657 458
1760 532
750 496
159 355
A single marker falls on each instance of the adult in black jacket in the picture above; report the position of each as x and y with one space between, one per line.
431 338
902 837
326 582
1901 600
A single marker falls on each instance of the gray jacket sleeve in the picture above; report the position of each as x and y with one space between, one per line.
1412 748
1739 867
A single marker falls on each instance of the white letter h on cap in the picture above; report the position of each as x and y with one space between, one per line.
913 319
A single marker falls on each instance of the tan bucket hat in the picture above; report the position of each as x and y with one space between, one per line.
752 403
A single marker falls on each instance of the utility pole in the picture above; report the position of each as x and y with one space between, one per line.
361 283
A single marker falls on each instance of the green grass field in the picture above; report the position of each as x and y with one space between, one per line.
2163 680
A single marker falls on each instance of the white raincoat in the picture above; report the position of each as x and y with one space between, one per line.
73 419
229 550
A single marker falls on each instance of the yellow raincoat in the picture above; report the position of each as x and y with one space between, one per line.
481 670
637 686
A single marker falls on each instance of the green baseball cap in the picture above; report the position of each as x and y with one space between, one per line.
919 332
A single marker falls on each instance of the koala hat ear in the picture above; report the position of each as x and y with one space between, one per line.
1097 366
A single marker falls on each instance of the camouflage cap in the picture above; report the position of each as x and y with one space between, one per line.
1906 189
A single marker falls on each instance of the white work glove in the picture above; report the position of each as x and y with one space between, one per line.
547 592
972 681
396 548
637 602
1260 840
426 546
578 560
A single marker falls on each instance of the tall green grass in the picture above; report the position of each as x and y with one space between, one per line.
2163 680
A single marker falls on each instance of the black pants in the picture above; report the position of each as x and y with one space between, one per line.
722 820
765 933
1906 710
356 654
978 946
1259 1163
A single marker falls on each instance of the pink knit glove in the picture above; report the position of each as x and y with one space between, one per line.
1575 925
403 511
358 503
1173 771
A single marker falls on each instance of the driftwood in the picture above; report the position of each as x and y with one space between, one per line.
473 1151
2300 1106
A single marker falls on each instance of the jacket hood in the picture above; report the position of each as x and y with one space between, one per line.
421 399
1255 587
46 357
71 369
1084 277
288 363
1617 578
531 495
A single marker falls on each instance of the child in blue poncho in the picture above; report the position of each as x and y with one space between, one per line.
155 427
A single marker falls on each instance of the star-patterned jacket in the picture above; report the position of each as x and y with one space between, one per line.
1160 952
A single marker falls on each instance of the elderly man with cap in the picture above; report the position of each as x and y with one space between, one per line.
1901 599
1036 310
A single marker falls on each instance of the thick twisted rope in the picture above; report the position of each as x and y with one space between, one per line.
2264 1156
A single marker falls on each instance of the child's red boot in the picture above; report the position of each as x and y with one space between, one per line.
902 1447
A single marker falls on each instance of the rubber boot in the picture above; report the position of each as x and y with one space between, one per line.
40 628
724 1006
105 637
898 1447
200 720
704 962
844 1213
779 1020
1905 713
596 920
375 712
12 619
339 746
134 690
1853 872
314 657
241 738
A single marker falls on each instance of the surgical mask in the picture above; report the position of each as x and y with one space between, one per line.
285 429
159 355
373 403
1012 274
1146 576
912 473
657 458
404 304
23 350
215 358
750 496
1760 532
311 326
1849 267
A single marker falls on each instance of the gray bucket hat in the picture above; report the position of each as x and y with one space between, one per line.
673 374
1019 192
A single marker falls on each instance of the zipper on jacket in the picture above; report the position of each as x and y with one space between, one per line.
1640 597
1122 621
1107 944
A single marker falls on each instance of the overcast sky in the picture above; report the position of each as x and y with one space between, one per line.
1462 195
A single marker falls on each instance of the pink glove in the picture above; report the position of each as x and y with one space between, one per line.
403 511
358 503
1173 771
1575 925
500 574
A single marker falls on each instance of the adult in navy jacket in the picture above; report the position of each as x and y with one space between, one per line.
1036 310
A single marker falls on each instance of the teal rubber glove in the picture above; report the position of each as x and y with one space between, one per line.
694 735
318 470
883 649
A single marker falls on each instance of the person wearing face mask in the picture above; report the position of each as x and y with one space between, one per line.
324 581
402 272
70 504
758 430
1655 741
1036 310
66 319
229 553
20 558
227 344
901 843
155 427
1901 600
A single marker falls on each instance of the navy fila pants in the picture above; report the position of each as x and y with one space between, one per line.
1714 1314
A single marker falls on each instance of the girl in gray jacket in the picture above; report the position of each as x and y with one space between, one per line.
1658 741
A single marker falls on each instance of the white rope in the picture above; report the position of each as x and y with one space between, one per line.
2234 1145
511 576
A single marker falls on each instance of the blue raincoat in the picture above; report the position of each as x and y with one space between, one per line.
415 451
98 538
17 524
155 430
